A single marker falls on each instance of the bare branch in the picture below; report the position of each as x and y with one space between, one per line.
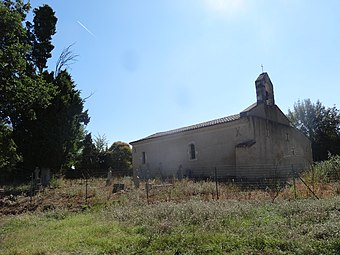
66 58
92 93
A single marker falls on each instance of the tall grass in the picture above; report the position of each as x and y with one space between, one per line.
191 227
77 195
183 216
326 171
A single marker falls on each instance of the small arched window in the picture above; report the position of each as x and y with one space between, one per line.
192 151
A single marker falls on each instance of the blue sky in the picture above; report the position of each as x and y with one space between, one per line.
156 65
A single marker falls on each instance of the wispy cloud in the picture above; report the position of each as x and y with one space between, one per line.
83 26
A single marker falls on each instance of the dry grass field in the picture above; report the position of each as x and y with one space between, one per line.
177 217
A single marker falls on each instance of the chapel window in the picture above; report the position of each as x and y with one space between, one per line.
143 157
192 151
287 137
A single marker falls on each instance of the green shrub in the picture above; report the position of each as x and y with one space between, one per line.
55 182
328 170
18 188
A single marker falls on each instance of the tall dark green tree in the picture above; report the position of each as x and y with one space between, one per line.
18 91
90 156
320 124
101 143
40 37
42 111
8 149
50 140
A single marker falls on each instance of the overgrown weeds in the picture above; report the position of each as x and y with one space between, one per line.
190 227
74 195
183 216
325 171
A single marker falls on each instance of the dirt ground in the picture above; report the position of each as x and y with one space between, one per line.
17 204
72 195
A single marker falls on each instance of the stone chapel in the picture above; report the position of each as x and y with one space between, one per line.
257 143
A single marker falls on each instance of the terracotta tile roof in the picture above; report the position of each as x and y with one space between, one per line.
193 127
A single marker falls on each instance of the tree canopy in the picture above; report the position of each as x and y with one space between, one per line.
42 116
97 157
19 91
119 157
41 113
320 124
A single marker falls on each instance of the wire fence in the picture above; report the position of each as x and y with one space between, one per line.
17 176
90 186
247 174
270 177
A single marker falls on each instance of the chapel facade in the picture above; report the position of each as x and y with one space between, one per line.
257 143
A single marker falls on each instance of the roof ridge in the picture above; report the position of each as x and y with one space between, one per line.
193 127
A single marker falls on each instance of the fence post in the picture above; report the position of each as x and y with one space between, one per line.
216 184
86 190
313 179
294 185
307 187
147 190
147 184
32 188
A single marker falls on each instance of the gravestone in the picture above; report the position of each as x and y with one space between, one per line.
109 177
118 187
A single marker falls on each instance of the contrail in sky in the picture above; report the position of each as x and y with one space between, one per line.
85 28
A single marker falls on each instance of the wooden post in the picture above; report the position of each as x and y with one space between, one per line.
294 185
308 187
32 187
216 184
147 184
313 187
86 190
147 190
